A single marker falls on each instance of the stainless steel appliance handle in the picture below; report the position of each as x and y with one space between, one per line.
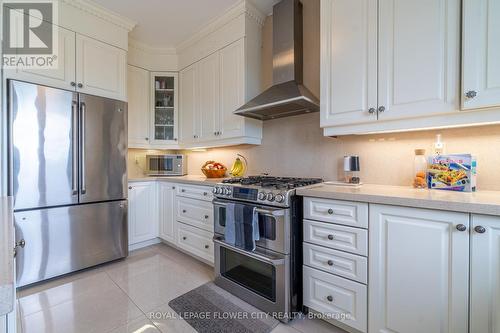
262 211
74 147
83 108
259 257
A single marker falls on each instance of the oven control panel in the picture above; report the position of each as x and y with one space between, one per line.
271 197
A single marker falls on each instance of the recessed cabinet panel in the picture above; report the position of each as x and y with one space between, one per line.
189 104
166 196
348 61
419 270
481 54
209 97
101 69
418 57
138 107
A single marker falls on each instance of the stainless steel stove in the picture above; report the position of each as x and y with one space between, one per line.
267 190
269 277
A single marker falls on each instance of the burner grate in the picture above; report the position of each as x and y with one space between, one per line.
276 182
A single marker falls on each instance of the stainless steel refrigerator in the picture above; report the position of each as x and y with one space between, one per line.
68 175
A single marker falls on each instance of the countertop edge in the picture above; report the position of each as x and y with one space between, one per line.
190 180
436 204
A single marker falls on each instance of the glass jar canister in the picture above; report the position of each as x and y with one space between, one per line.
420 169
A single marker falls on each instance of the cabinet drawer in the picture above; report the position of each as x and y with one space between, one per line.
336 297
336 262
195 192
195 212
195 241
335 211
338 237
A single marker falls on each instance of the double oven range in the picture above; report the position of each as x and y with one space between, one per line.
269 277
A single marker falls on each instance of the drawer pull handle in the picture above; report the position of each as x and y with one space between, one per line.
207 246
184 211
329 298
184 238
330 237
206 216
330 211
183 190
330 263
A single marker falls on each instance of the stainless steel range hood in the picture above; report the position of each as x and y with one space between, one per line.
287 96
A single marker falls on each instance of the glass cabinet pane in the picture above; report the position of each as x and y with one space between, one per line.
164 107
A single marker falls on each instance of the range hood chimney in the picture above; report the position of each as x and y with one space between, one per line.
287 96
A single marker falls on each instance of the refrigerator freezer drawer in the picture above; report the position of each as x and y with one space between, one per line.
66 239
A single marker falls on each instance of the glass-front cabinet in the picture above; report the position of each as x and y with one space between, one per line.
165 107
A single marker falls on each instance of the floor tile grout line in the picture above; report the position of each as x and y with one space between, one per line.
130 298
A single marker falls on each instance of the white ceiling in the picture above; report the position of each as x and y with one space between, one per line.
167 23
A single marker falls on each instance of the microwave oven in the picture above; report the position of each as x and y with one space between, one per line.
166 165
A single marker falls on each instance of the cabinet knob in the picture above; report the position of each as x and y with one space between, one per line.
184 211
130 187
372 110
175 139
147 139
330 211
471 94
461 227
183 190
206 217
73 84
381 109
480 229
330 237
173 187
330 263
205 193
184 238
80 85
207 246
329 298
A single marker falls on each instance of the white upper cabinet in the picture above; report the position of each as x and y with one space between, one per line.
164 106
209 100
61 77
232 88
189 104
138 107
348 61
418 271
481 54
485 274
418 64
101 69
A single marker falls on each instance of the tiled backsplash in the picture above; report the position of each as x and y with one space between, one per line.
296 147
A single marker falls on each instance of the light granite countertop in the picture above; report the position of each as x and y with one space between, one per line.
6 256
481 202
189 179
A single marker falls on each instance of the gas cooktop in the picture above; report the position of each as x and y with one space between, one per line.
275 191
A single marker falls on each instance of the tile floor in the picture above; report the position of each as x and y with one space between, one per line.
118 297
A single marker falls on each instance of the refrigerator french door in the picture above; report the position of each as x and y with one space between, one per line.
68 178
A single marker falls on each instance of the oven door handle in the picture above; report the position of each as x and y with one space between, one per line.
262 211
259 257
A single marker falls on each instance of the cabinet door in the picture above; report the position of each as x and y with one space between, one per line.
419 43
188 104
481 53
348 61
166 193
232 89
418 271
164 104
485 274
101 69
143 219
138 107
63 76
209 97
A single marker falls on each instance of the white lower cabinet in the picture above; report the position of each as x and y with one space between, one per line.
166 200
485 274
142 212
338 298
418 271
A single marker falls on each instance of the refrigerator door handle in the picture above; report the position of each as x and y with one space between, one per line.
83 108
74 167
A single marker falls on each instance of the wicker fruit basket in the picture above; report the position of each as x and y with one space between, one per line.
212 169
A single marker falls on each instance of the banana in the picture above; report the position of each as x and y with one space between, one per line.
239 167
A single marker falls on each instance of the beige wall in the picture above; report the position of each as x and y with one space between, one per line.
296 146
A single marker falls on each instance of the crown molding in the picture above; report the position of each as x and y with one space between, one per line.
94 9
240 8
140 46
